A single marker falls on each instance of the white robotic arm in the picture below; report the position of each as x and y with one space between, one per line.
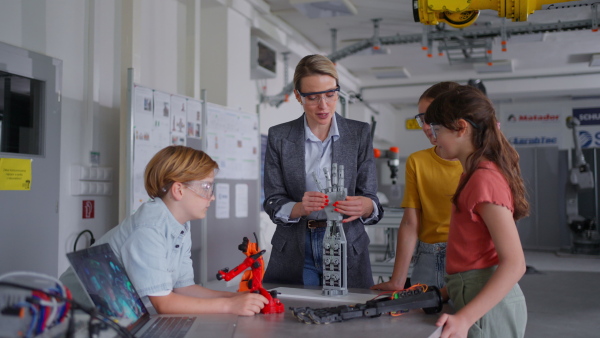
580 175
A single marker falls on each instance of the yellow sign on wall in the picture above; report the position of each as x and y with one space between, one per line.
15 174
411 124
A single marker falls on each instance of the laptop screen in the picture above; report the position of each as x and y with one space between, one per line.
106 282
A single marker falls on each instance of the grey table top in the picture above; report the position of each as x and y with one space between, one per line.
412 324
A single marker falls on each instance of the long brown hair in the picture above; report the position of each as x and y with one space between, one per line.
176 164
470 104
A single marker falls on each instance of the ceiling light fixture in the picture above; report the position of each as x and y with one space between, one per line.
324 9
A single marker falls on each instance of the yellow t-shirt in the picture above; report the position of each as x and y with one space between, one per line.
430 183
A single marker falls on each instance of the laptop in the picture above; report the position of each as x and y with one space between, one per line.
109 288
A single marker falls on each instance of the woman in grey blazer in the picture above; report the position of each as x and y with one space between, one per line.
295 149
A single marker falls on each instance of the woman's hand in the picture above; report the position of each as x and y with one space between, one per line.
311 201
355 207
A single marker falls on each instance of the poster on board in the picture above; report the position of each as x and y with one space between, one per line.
194 118
162 112
233 141
145 140
159 119
178 120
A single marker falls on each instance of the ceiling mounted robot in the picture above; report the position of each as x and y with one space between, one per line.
463 13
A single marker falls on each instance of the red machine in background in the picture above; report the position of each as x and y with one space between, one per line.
252 279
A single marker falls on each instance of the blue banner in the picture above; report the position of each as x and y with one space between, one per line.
589 139
587 116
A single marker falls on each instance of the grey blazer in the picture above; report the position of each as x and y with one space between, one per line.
285 182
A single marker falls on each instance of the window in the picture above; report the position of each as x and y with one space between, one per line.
20 114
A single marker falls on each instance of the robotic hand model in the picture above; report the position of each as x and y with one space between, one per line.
335 269
252 280
418 296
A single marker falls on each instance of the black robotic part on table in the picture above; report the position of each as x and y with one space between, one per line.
430 301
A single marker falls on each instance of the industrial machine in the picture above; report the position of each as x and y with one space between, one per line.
417 296
463 13
393 156
252 280
335 246
585 236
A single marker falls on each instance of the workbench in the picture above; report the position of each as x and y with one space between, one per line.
413 324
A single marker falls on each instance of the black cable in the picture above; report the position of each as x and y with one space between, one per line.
90 311
92 240
71 327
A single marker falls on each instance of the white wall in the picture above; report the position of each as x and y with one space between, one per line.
90 112
83 35
87 36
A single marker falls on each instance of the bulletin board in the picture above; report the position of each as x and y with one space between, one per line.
233 140
159 119
231 137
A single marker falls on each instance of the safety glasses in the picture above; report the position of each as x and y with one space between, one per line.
435 128
315 98
420 119
203 189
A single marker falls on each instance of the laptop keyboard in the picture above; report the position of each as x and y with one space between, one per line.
175 327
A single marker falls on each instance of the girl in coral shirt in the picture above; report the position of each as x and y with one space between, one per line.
484 258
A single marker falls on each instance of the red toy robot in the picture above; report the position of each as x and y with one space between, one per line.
252 280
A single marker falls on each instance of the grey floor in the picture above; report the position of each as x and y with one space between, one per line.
563 295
